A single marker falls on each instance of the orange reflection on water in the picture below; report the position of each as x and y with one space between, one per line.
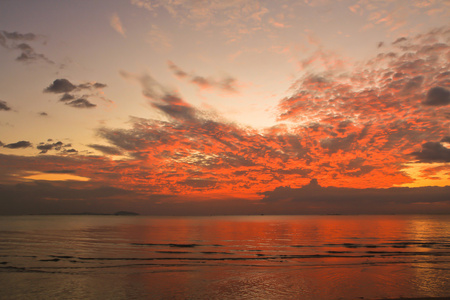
279 257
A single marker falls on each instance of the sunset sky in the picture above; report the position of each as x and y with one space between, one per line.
239 106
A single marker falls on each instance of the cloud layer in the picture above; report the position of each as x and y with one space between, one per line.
354 131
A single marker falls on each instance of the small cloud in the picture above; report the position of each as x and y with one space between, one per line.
18 145
116 24
60 86
43 114
437 96
176 70
226 84
399 40
99 85
66 97
71 151
81 103
4 106
106 149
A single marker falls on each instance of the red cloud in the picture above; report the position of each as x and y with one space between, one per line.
353 130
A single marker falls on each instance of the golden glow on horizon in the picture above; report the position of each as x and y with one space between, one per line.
56 177
427 174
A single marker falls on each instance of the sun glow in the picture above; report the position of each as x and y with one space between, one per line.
56 177
427 174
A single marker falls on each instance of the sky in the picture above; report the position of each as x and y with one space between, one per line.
225 107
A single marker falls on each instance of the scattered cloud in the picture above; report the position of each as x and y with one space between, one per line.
116 24
20 42
57 146
18 145
234 18
71 93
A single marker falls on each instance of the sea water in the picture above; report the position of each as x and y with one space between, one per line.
224 257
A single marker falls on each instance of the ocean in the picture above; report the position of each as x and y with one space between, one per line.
224 257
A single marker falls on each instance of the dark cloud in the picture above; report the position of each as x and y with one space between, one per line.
106 149
98 85
19 36
313 198
71 92
66 97
4 106
445 139
437 96
63 85
71 151
45 147
164 99
29 55
60 86
43 114
399 40
90 85
18 145
81 103
15 41
60 171
433 152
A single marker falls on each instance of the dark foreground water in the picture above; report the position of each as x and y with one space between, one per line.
236 257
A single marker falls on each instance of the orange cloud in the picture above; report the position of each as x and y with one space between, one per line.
345 129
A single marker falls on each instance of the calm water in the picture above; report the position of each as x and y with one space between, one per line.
236 257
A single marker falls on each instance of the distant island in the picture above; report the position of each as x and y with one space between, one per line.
119 213
126 213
